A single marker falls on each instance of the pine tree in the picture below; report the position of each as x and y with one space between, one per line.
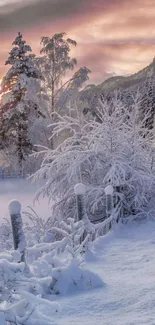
148 102
19 103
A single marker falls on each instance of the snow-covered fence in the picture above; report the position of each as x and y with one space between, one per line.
16 222
6 173
113 210
82 229
103 228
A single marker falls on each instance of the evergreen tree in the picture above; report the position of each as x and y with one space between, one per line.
148 102
20 90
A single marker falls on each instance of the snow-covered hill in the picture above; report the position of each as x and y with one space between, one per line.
125 260
116 82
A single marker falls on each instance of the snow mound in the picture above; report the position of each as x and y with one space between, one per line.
72 278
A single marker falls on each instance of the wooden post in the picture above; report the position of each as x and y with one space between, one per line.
79 190
109 199
16 222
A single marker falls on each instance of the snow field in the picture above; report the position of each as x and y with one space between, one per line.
125 261
23 191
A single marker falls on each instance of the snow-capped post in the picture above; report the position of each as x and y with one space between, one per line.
109 199
79 190
17 230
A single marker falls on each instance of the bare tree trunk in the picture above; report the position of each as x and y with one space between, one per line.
53 98
53 79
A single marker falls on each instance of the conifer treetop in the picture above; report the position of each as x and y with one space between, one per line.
22 65
19 51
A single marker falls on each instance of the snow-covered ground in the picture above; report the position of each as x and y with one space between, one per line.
24 191
125 260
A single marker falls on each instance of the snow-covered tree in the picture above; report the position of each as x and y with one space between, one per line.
21 101
130 157
148 102
55 65
115 149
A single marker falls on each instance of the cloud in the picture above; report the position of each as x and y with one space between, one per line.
115 59
22 14
114 37
19 14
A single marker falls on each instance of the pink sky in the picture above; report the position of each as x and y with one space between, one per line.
114 36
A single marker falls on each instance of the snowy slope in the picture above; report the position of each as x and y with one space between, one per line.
116 82
125 259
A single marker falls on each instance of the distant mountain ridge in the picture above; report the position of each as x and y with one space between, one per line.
126 88
116 82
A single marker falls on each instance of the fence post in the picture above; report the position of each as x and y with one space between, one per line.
79 190
109 199
16 222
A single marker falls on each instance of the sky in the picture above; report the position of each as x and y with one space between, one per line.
115 37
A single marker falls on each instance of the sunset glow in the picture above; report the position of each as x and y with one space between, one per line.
113 37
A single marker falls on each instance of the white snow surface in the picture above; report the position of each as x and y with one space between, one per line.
125 260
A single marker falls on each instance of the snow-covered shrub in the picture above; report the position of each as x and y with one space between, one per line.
75 240
56 269
6 239
77 234
64 166
73 278
10 274
116 149
21 293
29 305
28 309
53 273
38 250
61 261
37 229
